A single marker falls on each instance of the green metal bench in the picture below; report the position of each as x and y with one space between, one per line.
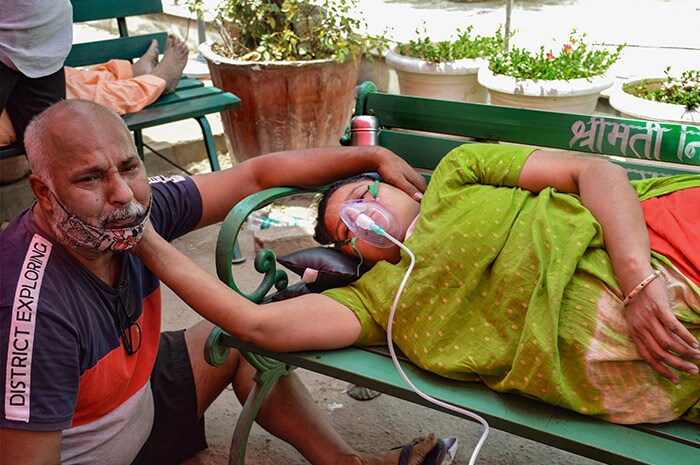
191 99
644 148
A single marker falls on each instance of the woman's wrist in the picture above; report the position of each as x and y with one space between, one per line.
632 271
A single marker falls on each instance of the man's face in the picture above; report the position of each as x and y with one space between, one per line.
96 174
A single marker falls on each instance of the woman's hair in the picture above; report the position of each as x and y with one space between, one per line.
321 233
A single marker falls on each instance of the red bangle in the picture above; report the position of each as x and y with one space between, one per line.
641 286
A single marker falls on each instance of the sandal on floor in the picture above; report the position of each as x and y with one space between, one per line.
434 457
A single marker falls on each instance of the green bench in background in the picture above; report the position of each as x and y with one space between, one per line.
190 100
422 131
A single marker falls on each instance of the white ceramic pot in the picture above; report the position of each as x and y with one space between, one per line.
572 96
375 70
450 80
631 106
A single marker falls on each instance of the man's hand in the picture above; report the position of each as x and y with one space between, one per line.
662 341
397 172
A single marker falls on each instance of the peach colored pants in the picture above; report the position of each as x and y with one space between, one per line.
111 84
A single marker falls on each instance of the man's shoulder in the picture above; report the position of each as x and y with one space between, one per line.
161 179
177 205
27 259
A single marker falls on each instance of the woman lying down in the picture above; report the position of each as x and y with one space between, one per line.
536 272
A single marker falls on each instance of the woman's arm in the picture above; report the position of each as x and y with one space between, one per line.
605 190
308 322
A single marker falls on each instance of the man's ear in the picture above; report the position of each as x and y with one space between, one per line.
41 192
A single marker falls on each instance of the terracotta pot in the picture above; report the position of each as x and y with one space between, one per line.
450 80
284 105
572 96
631 106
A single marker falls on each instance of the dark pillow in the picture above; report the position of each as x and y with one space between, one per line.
322 268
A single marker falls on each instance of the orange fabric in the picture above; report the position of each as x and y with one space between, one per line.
671 222
111 84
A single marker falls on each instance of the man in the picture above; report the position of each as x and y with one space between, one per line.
86 378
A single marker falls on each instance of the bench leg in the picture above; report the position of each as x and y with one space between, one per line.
265 379
209 142
138 141
237 255
268 372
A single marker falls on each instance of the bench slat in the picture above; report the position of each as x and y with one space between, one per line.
88 10
155 116
123 48
680 431
10 151
584 133
425 151
607 442
186 94
188 83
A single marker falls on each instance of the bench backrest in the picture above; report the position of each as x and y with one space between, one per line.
645 149
125 47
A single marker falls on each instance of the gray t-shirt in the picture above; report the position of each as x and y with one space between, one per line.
35 35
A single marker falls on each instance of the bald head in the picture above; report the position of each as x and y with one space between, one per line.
64 128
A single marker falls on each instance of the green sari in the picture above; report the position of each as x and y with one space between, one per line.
515 289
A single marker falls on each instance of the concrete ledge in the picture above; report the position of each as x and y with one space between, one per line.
283 240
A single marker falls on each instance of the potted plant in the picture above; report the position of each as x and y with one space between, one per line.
570 80
444 69
293 63
668 98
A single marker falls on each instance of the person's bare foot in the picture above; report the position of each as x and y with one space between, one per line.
173 62
419 448
148 60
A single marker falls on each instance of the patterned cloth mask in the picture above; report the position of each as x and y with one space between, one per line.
86 236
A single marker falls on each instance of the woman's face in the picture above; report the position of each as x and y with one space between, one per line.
405 207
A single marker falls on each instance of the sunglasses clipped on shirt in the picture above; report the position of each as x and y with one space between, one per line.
129 329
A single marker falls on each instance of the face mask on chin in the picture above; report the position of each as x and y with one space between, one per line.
80 235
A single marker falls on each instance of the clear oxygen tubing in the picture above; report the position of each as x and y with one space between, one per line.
366 223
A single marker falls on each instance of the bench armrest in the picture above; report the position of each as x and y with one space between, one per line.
265 260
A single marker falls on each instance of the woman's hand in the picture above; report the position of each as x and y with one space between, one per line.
662 341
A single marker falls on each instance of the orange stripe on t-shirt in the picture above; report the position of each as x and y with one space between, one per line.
118 376
672 222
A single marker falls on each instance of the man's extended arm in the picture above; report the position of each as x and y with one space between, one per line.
300 168
605 190
30 447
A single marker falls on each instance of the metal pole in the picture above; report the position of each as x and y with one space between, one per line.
201 32
509 9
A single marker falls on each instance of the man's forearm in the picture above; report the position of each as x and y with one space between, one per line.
315 167
221 190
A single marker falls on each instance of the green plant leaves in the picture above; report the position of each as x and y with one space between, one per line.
683 90
293 30
576 59
463 46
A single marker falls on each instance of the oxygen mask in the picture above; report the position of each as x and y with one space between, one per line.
370 221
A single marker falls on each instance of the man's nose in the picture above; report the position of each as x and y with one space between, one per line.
120 192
